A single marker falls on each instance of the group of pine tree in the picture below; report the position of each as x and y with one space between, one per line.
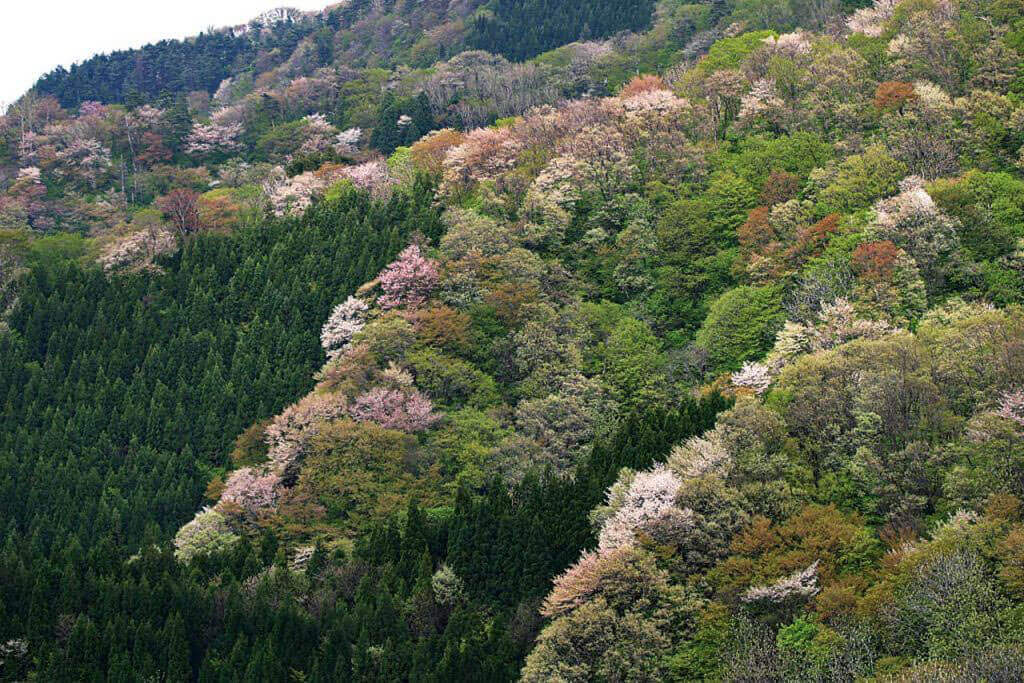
527 340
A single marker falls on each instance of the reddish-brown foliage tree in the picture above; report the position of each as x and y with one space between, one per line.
894 95
780 186
181 206
508 300
756 233
642 84
152 150
875 260
429 152
218 211
810 240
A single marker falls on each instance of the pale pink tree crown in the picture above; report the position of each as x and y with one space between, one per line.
409 281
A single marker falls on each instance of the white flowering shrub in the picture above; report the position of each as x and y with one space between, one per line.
137 248
347 319
754 376
1011 406
797 586
647 506
700 456
871 20
347 141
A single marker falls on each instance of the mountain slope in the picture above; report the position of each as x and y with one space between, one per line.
693 353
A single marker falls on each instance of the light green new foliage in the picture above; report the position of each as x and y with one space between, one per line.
400 165
741 326
452 381
389 337
448 588
754 158
633 363
464 443
860 180
728 198
990 207
207 533
729 53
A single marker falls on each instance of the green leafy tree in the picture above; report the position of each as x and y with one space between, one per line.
741 326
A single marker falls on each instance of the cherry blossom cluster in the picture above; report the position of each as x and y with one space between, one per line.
90 108
290 431
871 20
485 154
577 583
640 504
15 648
790 44
371 176
409 281
556 185
320 134
955 524
837 324
84 157
658 100
226 116
347 141
395 376
756 376
29 144
1011 406
251 490
762 98
592 138
647 507
406 411
148 116
292 196
347 320
912 199
700 456
138 248
211 138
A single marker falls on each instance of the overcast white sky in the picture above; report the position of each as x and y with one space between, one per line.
36 36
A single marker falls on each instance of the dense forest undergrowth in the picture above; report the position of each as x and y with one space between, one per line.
485 341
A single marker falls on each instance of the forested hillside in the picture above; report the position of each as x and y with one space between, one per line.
520 30
134 76
538 341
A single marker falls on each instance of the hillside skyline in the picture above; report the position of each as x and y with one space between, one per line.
47 40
